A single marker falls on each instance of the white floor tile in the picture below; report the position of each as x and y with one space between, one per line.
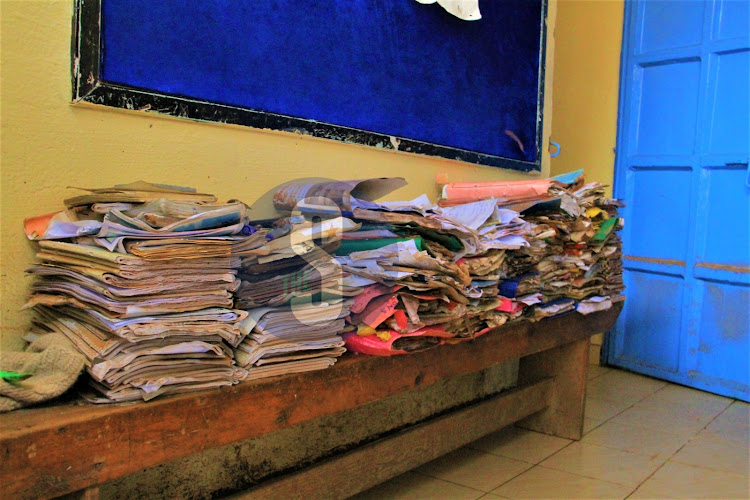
474 469
603 409
596 371
716 451
607 464
623 386
676 396
413 486
681 421
734 422
542 482
589 424
520 444
675 480
635 439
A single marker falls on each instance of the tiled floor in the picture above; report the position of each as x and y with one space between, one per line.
644 438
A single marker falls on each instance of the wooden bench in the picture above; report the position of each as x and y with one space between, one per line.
74 447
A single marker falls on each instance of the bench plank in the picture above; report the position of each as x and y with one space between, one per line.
373 463
58 449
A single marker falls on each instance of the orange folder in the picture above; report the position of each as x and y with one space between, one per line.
457 193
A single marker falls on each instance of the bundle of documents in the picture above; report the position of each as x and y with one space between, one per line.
294 262
147 295
529 252
295 338
172 355
165 291
573 255
408 260
297 297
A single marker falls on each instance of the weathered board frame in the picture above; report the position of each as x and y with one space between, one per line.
89 87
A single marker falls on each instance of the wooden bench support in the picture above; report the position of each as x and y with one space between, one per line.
58 449
371 464
568 367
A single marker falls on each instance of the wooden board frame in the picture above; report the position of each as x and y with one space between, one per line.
88 87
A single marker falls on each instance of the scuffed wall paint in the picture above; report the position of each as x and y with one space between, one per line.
48 144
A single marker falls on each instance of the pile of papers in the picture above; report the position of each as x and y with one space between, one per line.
430 274
398 262
166 291
573 258
293 338
141 278
297 298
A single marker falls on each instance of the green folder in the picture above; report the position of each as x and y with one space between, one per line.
604 230
349 246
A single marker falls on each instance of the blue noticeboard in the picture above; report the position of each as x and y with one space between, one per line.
388 74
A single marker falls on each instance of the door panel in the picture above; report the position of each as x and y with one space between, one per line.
658 318
667 113
682 169
657 225
726 225
731 19
667 26
722 352
730 119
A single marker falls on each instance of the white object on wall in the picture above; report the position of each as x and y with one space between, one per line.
468 10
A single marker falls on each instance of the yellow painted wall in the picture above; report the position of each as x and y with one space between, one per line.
48 144
588 36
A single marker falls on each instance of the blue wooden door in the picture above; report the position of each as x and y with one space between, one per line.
682 168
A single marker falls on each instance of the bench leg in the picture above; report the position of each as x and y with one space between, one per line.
567 365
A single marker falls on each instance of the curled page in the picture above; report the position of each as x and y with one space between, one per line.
59 225
138 192
335 195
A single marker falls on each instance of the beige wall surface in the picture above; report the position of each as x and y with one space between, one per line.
588 36
49 144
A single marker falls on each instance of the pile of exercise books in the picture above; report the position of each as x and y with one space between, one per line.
293 338
430 274
297 298
397 262
421 275
141 279
573 260
165 290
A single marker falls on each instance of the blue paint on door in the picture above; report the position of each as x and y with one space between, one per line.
682 168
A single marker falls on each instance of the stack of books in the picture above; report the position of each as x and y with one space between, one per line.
166 291
145 290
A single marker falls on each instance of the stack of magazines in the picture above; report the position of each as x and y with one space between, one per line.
141 278
164 290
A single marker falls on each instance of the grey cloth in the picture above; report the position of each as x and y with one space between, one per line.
54 365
